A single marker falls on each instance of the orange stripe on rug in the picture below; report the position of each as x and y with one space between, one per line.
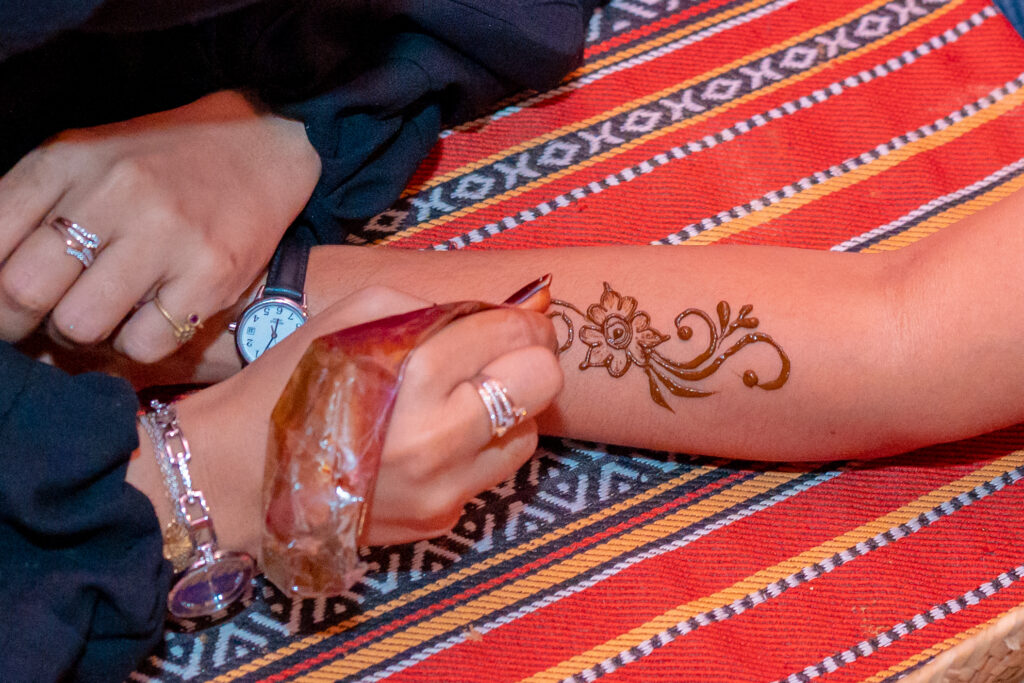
647 29
460 616
786 82
861 173
455 577
946 218
777 572
582 71
937 648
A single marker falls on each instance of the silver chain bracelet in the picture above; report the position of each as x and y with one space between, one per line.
212 579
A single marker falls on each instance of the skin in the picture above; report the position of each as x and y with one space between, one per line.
889 351
188 203
439 451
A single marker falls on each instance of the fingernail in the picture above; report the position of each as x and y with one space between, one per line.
529 290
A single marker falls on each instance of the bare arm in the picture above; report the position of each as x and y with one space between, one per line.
887 352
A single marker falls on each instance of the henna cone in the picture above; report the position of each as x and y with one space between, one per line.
327 433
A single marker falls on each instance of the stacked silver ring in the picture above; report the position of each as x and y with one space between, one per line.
503 412
78 241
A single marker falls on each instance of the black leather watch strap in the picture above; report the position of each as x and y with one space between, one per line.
286 276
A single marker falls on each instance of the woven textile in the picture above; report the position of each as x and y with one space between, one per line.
844 125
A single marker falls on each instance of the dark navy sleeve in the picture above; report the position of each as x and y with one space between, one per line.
1013 10
83 583
25 24
434 63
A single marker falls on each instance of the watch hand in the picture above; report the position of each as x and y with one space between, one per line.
273 336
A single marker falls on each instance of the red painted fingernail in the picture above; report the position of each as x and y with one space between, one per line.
525 292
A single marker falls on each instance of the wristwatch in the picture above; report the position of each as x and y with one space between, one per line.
280 305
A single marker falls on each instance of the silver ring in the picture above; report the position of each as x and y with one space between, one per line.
78 241
503 412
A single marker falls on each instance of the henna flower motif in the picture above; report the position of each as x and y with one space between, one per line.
619 336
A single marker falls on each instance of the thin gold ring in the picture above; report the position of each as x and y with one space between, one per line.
182 331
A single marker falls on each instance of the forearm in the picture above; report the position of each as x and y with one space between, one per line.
835 384
887 352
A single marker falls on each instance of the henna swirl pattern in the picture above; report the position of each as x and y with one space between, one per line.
618 337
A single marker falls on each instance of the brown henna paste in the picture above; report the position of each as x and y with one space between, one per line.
620 337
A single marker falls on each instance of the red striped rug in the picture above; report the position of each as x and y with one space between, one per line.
844 125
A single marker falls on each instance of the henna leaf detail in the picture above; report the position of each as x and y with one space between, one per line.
619 336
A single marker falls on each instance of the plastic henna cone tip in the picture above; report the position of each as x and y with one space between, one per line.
526 291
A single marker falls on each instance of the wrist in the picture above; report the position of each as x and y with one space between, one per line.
230 481
226 464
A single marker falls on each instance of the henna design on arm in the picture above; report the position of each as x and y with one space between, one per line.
620 337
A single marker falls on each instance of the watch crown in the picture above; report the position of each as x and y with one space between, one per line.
232 326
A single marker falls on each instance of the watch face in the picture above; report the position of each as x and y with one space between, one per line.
264 324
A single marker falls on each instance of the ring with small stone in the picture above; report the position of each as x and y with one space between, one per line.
182 331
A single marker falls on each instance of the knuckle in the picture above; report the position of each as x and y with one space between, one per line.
529 439
377 293
522 329
130 174
37 162
549 337
211 259
20 290
550 371
52 155
377 301
440 512
422 366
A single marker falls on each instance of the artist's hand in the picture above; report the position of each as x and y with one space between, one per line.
188 204
438 452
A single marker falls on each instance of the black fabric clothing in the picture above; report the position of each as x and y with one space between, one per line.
373 80
1013 10
83 583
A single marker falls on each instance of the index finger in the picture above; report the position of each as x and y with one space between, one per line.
27 193
464 348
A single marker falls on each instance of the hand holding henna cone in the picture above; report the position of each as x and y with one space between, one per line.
327 434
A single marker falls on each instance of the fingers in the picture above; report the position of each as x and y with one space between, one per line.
435 445
34 278
531 377
163 323
364 305
441 448
407 509
34 268
27 193
99 298
501 459
464 348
